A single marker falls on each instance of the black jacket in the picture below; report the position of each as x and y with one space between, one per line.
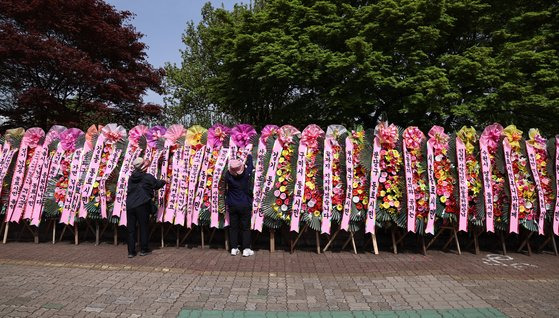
239 188
141 187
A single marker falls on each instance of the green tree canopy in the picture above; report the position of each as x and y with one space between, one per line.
421 62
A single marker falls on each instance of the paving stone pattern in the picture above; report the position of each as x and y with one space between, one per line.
64 280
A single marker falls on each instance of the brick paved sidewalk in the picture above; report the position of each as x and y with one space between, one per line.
100 281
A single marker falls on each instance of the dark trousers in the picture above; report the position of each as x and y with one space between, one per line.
239 218
141 215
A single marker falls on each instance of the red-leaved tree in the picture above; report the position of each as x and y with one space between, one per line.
71 62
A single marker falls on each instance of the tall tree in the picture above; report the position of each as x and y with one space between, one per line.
421 62
72 62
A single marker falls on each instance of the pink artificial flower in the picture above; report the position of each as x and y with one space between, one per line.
217 134
311 134
173 134
387 133
68 138
268 131
286 134
33 136
153 135
241 134
136 133
413 137
439 138
113 133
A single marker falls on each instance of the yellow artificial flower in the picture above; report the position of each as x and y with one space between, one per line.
316 213
385 205
339 207
396 204
443 199
513 135
194 135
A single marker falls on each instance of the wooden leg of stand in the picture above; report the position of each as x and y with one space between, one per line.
293 243
503 245
97 233
423 248
552 236
211 236
394 245
439 232
178 232
526 242
317 238
76 239
2 227
226 241
353 242
6 229
162 236
202 237
62 234
445 246
36 235
186 236
331 240
374 241
115 235
346 242
458 242
476 242
272 240
53 231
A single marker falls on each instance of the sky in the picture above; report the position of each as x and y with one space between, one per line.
163 23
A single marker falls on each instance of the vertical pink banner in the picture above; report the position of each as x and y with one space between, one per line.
258 181
119 208
7 160
161 193
349 189
410 191
462 184
513 228
268 182
432 188
192 180
72 184
487 184
556 209
170 209
373 189
541 200
299 190
180 214
91 174
50 167
218 170
26 187
327 187
201 186
111 164
17 180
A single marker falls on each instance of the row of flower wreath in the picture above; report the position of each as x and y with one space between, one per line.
312 178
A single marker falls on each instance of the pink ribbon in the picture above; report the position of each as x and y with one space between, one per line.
541 200
25 189
161 194
556 210
49 169
487 184
154 162
7 157
218 170
268 182
462 184
171 207
180 214
432 188
201 187
349 189
373 188
410 191
91 174
42 161
67 216
17 181
119 208
258 181
327 186
111 164
513 190
299 187
193 178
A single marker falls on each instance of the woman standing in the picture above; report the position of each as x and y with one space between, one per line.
139 204
238 198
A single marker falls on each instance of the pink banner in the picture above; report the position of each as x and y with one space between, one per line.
170 209
201 187
299 190
17 180
67 216
327 187
218 170
91 174
432 188
180 214
163 176
50 167
26 188
8 156
373 189
349 188
513 190
258 182
487 184
42 161
111 164
119 208
556 210
268 182
193 178
152 169
410 191
462 184
541 200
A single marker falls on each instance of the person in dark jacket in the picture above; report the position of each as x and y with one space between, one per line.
239 202
139 203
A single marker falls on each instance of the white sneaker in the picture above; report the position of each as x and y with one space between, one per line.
234 252
248 252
